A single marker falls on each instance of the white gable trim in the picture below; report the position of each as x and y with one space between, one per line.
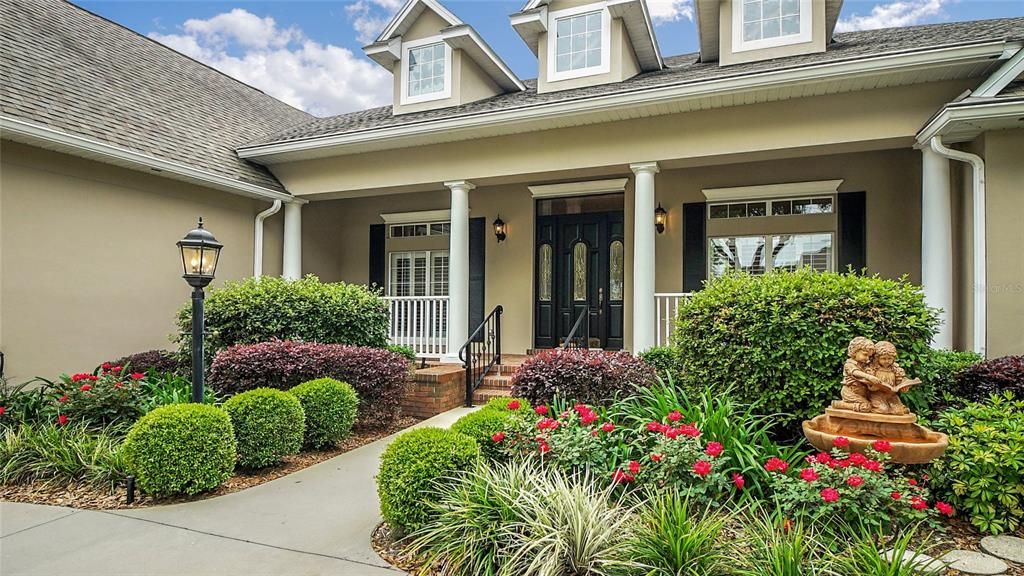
412 10
1006 73
815 188
579 188
416 217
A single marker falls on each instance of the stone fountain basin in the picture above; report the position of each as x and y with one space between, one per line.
911 443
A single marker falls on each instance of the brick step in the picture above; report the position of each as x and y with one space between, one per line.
482 395
507 369
497 381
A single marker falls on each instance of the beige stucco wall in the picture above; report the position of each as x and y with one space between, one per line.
89 270
727 55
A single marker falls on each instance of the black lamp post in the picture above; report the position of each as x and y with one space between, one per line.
199 253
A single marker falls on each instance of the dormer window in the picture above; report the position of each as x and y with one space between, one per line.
759 24
580 43
426 70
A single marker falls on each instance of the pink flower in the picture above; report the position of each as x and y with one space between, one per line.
873 466
841 442
809 474
542 410
657 457
85 388
513 405
944 508
830 495
775 464
738 481
702 468
498 437
608 427
654 426
634 467
881 445
854 481
62 420
674 416
714 449
823 458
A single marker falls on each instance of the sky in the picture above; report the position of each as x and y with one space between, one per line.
308 53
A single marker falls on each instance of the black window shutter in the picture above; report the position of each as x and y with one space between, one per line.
695 250
852 214
378 259
477 243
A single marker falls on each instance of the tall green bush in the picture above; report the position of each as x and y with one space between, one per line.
780 339
267 308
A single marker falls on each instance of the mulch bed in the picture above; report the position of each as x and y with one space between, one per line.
92 498
394 552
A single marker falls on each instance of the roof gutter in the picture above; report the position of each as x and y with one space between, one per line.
32 132
940 57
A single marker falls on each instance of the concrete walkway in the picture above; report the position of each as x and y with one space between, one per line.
317 521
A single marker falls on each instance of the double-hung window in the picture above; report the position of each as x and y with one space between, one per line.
426 71
578 44
762 253
418 273
770 23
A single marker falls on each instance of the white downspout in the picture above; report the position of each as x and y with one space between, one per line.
978 169
257 249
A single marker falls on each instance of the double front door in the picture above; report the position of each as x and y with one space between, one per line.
580 276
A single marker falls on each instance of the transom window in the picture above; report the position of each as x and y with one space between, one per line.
426 69
578 43
780 207
420 229
760 254
419 273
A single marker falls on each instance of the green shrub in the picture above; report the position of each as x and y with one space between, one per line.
482 426
666 361
982 472
268 426
29 402
673 538
781 338
161 389
181 449
267 308
413 467
404 351
939 373
330 407
51 453
508 404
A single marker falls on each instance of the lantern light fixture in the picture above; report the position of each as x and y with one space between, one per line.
499 229
660 218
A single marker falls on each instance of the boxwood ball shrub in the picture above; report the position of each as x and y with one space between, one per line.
590 376
330 407
261 309
413 467
269 425
378 376
181 449
482 426
780 338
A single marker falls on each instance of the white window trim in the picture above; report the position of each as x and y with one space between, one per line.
391 228
768 206
429 274
407 47
806 30
606 40
768 265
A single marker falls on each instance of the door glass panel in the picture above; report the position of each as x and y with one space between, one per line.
579 272
616 270
544 272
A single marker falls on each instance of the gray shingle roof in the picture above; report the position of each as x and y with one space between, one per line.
684 69
74 71
1014 89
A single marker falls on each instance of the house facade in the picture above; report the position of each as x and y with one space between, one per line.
589 201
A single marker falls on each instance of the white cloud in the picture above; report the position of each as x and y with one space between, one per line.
369 17
893 15
670 10
322 79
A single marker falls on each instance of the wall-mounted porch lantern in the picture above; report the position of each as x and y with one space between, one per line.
199 254
660 218
499 229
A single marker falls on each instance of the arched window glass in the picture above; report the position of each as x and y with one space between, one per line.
544 273
616 270
579 272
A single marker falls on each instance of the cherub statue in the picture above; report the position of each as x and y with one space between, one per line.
892 381
857 378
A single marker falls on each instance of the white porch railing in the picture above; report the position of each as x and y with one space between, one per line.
666 306
421 323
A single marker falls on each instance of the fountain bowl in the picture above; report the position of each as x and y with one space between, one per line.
911 443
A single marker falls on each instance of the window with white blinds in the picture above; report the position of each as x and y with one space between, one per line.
418 273
759 254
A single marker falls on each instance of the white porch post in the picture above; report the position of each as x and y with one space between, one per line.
644 306
937 242
458 269
291 267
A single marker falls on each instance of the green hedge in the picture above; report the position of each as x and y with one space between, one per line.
268 425
268 308
181 449
482 425
330 407
780 339
411 469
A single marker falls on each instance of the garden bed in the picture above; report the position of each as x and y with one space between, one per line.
83 496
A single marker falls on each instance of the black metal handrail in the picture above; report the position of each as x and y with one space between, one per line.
572 341
481 351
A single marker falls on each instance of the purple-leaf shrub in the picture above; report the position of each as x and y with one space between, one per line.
994 376
591 376
378 376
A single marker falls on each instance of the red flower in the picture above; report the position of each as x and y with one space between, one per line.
854 481
858 459
841 442
85 388
80 376
912 482
542 410
944 508
116 368
620 477
881 445
714 449
634 467
657 457
873 466
62 420
63 399
690 430
138 376
674 416
776 465
3 410
587 418
654 426
895 495
702 468
823 458
581 408
513 405
809 474
105 365
738 481
547 424
830 495
608 427
93 377
544 448
671 433
843 463
119 385
918 503
498 437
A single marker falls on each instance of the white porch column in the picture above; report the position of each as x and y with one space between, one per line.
291 267
458 269
644 325
937 242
